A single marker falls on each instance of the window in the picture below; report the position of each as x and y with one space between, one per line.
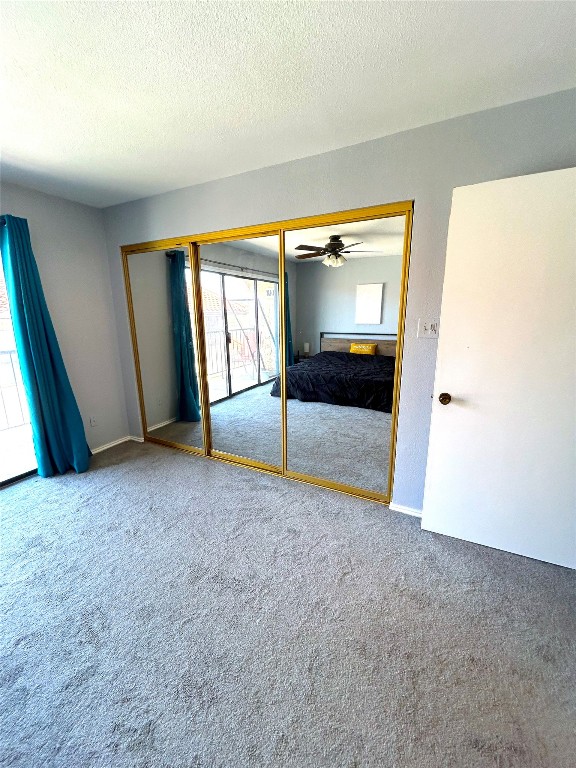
16 448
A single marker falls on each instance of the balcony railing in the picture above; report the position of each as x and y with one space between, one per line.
215 352
13 405
242 351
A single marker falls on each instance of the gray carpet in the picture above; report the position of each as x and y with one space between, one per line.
346 445
170 611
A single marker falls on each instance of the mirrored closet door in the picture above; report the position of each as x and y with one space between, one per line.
348 280
277 346
160 300
241 309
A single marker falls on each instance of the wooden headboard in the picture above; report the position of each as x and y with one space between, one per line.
385 347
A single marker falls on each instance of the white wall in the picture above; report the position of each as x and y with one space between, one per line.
70 250
327 298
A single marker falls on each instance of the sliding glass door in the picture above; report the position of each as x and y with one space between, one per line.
242 332
241 326
268 329
215 333
16 447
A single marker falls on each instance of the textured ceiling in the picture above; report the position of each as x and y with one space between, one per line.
107 102
379 237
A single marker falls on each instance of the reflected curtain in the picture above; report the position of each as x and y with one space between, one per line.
289 345
57 429
186 381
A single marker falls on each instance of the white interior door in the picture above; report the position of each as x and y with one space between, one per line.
502 454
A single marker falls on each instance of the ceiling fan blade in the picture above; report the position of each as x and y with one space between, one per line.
309 255
349 246
308 248
360 251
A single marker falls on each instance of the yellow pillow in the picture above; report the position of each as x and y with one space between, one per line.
363 349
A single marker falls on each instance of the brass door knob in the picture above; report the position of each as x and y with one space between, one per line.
444 398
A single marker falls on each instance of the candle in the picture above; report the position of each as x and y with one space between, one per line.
306 348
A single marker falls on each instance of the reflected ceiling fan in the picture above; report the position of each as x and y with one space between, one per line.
333 251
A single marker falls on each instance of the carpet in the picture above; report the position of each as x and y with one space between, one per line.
170 611
334 442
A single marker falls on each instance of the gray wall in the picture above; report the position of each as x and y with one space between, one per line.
150 285
238 257
70 249
424 164
327 298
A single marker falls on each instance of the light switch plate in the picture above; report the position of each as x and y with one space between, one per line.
427 328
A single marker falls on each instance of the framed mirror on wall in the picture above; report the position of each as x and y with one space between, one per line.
296 332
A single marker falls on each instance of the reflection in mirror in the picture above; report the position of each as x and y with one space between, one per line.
160 284
241 304
340 396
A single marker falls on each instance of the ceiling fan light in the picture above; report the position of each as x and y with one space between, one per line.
334 261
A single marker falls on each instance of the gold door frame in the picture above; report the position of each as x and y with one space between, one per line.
279 228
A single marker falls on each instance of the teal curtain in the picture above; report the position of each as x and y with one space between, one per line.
57 429
187 383
289 345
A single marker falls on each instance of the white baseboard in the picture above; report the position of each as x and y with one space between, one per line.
405 510
162 424
117 442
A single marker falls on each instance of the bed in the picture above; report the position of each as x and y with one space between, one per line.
337 376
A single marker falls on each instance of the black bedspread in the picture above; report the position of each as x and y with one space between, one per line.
342 378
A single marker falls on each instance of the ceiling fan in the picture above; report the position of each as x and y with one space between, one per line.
333 251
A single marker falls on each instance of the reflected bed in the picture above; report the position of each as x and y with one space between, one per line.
343 378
